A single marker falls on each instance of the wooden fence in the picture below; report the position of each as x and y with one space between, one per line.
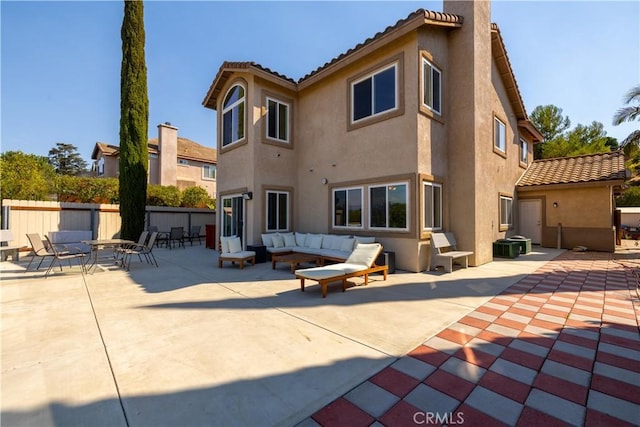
26 216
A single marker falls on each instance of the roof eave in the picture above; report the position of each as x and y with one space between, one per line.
569 185
229 68
529 128
389 35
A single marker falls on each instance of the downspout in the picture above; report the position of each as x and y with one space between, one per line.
559 236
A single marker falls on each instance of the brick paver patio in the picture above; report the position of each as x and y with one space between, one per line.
560 347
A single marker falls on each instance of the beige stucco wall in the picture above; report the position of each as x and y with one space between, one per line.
455 148
584 213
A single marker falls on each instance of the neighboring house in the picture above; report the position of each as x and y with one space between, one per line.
420 128
572 199
173 160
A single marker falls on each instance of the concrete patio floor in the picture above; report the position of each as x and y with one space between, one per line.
191 344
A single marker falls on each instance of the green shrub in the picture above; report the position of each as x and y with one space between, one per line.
196 197
630 197
160 195
86 190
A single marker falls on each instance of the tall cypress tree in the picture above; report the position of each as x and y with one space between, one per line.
134 122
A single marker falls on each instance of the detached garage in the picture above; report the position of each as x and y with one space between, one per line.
570 201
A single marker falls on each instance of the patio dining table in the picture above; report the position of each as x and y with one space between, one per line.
100 244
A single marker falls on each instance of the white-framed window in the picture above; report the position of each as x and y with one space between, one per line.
431 87
432 206
233 115
277 206
389 206
209 171
153 155
524 149
183 162
277 120
506 212
347 207
499 135
375 93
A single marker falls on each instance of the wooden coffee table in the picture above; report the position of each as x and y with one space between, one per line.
294 259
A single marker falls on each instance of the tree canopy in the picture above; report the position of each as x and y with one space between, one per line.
66 160
134 122
26 176
560 141
630 113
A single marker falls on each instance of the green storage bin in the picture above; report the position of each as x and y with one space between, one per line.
525 244
506 249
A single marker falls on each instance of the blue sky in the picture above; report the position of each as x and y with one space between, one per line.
60 65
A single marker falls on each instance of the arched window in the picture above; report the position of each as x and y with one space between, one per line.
233 115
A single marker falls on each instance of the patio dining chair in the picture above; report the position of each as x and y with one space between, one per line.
145 249
64 256
176 236
194 233
39 250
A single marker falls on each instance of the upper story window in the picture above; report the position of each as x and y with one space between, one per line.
432 206
524 150
277 120
233 115
388 206
374 94
347 207
277 210
431 87
209 171
499 135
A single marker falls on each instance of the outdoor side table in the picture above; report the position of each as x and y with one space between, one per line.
261 252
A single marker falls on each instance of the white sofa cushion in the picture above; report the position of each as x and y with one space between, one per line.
235 245
278 241
267 240
314 241
337 242
361 239
300 238
224 244
327 241
346 244
289 240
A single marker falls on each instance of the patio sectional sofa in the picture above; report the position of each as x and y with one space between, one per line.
331 247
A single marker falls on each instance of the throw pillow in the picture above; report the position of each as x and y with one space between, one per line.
327 241
346 245
361 239
278 241
310 238
289 240
235 245
337 242
224 244
267 240
316 241
300 239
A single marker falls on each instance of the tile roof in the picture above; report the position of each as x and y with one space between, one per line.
580 169
187 149
429 16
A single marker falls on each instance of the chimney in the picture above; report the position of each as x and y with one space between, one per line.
168 153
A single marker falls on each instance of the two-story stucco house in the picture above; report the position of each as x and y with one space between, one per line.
173 160
420 128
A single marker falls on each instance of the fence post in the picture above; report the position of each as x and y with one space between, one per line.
6 210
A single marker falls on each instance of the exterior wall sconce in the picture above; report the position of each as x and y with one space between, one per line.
555 204
324 181
247 195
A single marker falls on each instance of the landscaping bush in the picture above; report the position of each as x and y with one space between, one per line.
160 195
196 197
630 197
86 190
